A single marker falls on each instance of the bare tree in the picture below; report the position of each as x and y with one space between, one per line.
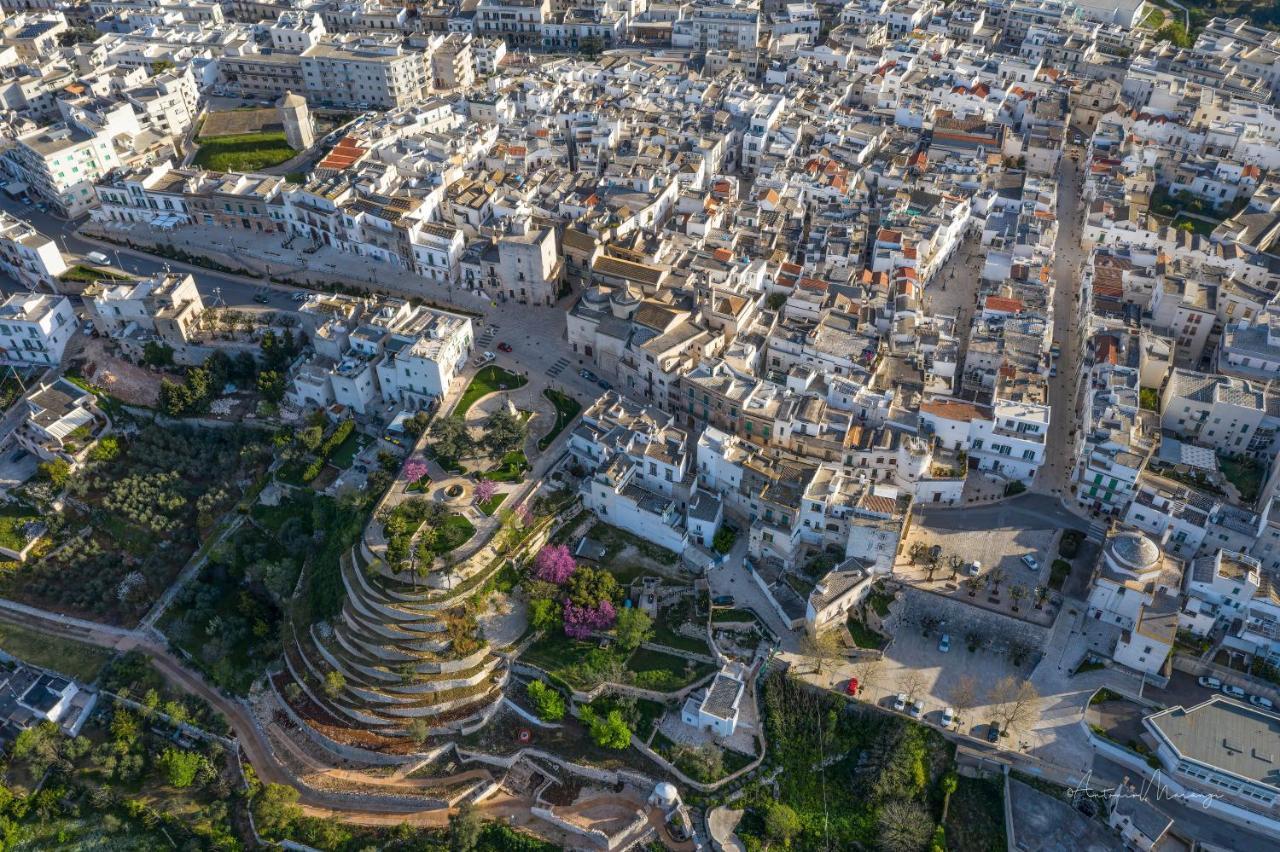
823 648
1017 593
911 682
1015 700
964 693
868 672
905 826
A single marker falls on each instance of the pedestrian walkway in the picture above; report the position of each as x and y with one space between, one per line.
558 367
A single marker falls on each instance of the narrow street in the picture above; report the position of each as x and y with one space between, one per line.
1068 260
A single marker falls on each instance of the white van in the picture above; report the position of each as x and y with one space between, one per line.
96 257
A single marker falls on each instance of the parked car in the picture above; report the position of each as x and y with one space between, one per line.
604 385
588 375
504 347
900 702
96 257
993 732
852 686
917 708
944 643
974 568
483 358
300 296
948 717
1055 350
1259 701
1209 682
722 600
1233 691
1031 562
1053 371
261 297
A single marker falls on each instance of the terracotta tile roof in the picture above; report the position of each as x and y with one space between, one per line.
1000 303
953 409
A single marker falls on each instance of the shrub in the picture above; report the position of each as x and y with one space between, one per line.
181 767
547 702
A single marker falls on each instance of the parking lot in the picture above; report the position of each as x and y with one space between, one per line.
1007 581
914 665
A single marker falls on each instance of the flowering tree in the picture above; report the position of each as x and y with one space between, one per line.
581 622
523 515
554 564
485 489
414 469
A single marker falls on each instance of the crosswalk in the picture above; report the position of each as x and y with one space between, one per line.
486 337
558 367
1097 531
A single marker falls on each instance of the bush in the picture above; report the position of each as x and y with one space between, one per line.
56 471
181 767
547 702
608 731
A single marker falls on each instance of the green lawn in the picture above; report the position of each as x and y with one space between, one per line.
450 535
1149 399
511 469
1245 474
863 636
82 662
486 381
243 152
491 505
740 615
1198 226
345 453
13 517
567 408
664 672
89 274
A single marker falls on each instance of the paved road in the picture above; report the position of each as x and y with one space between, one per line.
1188 817
1026 511
1068 259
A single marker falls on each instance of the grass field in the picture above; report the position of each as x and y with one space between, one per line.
512 468
13 517
491 505
486 381
244 152
567 408
82 662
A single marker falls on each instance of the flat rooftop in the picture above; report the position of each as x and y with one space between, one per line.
1227 735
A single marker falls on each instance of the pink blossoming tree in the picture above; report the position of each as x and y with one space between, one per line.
414 469
554 564
485 489
582 622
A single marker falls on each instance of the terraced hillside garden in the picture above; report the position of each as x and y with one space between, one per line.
135 513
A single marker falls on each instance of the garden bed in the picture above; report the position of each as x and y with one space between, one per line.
567 408
487 380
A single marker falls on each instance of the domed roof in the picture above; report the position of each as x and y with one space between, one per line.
595 295
666 792
1134 551
624 296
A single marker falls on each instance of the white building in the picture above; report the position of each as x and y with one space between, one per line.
1135 589
719 706
35 328
28 256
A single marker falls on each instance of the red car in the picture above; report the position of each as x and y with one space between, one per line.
504 347
852 687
